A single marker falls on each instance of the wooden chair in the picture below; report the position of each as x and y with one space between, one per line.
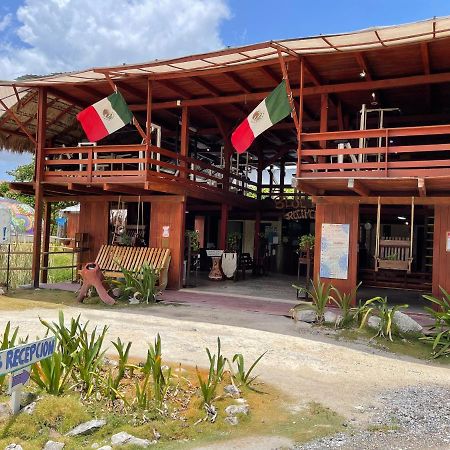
132 258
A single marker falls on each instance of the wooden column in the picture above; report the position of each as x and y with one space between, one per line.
441 257
199 226
46 240
39 189
282 174
148 128
339 213
259 176
171 215
223 227
300 120
323 122
184 138
256 238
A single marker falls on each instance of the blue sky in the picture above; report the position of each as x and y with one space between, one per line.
43 36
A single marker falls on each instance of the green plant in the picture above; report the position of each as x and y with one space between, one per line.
306 242
218 362
320 294
88 358
233 240
161 382
51 374
193 238
242 376
440 332
208 387
380 306
8 341
344 302
142 283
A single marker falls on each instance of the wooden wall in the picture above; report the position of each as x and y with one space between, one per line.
94 219
170 214
441 258
339 213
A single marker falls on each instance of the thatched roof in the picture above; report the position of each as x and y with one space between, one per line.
63 127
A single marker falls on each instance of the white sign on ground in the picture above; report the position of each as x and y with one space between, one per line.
18 361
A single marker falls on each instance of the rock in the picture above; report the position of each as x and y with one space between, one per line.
14 447
241 401
232 420
29 409
105 447
133 301
27 398
374 322
232 390
330 317
53 445
87 427
304 315
2 292
406 325
95 445
233 410
5 411
123 438
116 292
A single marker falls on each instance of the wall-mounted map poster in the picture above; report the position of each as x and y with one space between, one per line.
334 249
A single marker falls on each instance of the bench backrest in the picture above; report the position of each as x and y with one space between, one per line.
131 258
395 249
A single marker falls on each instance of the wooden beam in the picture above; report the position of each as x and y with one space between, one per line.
362 62
312 72
131 90
68 98
243 85
270 74
11 113
421 186
391 83
358 187
46 240
307 188
122 188
76 187
207 85
223 227
184 150
373 200
425 58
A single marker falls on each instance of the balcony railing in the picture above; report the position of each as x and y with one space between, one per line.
133 164
355 158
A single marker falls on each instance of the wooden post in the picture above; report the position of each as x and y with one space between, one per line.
46 241
282 175
148 128
223 227
256 241
300 120
184 139
259 176
39 190
323 117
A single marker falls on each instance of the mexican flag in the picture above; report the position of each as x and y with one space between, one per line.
105 117
272 109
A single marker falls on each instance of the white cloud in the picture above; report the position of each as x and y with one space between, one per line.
5 21
64 35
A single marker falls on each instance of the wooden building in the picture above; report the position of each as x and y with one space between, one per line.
371 143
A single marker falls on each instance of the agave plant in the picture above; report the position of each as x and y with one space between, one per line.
243 376
440 332
320 294
8 341
218 362
344 302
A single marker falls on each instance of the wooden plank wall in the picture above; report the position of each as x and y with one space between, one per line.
94 219
339 213
441 258
73 221
172 215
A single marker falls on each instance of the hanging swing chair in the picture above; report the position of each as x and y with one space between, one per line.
394 253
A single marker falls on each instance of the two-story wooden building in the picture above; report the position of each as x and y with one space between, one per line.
372 148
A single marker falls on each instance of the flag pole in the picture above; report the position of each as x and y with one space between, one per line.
288 90
135 122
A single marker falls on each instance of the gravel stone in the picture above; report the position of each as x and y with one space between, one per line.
406 325
29 409
87 427
5 410
411 418
232 389
374 322
304 315
233 410
14 447
123 438
53 445
232 420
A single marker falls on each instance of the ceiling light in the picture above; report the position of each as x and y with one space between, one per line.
362 74
401 218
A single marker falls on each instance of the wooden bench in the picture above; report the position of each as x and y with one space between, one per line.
394 255
132 258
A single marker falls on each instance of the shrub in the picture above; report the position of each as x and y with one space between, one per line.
344 302
142 283
242 376
208 387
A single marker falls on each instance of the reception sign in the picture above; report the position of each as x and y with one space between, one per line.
334 250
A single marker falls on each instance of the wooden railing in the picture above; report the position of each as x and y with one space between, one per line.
381 160
135 163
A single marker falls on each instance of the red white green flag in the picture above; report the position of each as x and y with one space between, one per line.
271 110
105 117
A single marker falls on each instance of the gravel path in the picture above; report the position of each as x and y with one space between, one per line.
415 417
346 380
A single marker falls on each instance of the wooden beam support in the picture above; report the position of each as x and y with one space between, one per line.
223 227
39 189
358 187
243 85
76 187
207 85
68 98
421 186
12 114
307 188
362 62
184 138
275 78
46 240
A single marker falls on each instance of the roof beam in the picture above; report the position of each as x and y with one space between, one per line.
391 83
243 85
307 188
358 187
271 74
362 62
131 90
207 85
68 98
425 58
76 187
312 72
